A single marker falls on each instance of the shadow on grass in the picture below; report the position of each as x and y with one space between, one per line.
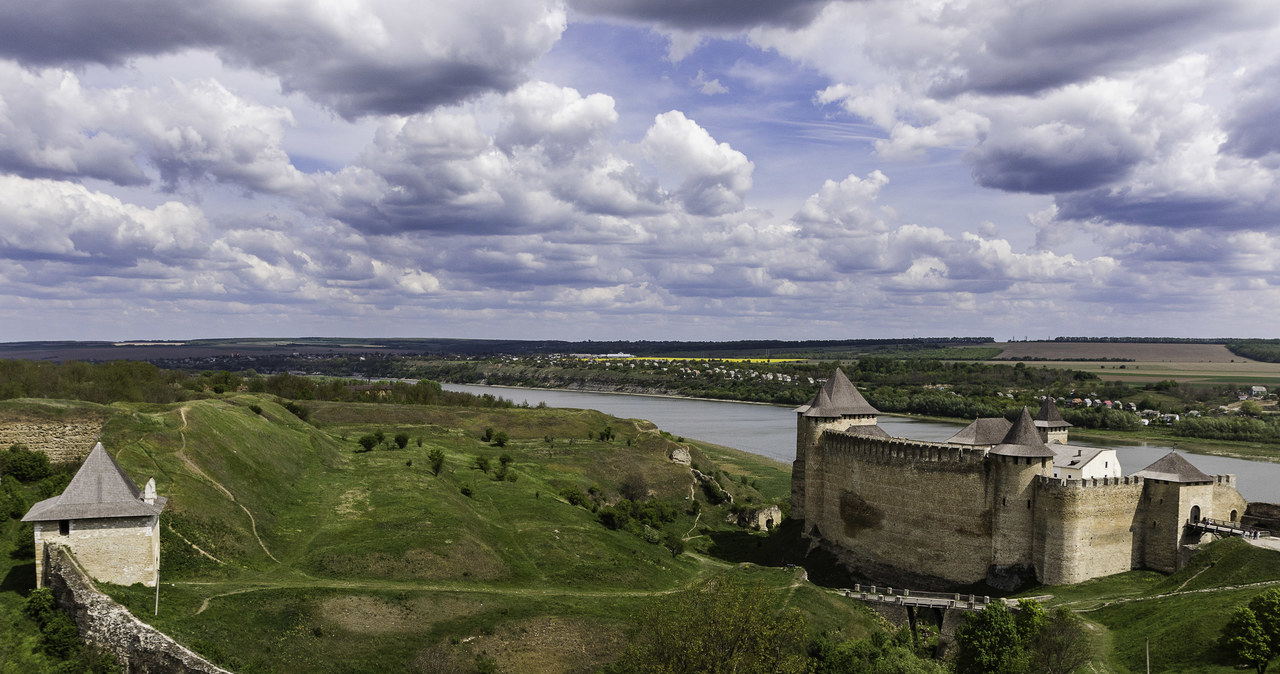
781 547
21 579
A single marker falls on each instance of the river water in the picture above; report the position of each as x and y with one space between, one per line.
771 431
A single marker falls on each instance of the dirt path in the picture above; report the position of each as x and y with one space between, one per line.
182 452
193 545
1175 593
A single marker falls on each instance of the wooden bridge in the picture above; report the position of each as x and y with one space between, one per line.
1226 528
914 598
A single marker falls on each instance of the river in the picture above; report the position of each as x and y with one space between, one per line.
771 431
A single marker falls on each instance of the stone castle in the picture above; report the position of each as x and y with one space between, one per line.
975 508
111 526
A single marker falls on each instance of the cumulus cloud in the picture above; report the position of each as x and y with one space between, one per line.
1120 111
714 176
358 58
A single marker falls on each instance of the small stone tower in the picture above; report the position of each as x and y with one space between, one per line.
1014 465
111 527
1050 424
837 406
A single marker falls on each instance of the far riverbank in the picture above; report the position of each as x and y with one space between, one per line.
770 430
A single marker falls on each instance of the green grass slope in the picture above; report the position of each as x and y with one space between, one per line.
285 549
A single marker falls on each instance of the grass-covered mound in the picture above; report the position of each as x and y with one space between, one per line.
288 547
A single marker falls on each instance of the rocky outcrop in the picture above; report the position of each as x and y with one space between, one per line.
138 647
681 456
760 519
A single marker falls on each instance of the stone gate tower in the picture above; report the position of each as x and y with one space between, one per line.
111 527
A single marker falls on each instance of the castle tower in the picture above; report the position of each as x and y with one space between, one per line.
1015 463
837 406
1050 424
1174 492
112 528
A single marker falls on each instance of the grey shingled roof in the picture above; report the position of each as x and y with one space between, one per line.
1023 440
838 398
986 431
1173 468
99 489
868 431
1048 416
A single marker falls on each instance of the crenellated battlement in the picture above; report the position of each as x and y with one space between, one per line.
889 450
941 514
1057 484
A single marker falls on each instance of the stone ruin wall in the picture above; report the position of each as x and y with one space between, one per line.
138 647
1087 528
65 441
907 511
120 550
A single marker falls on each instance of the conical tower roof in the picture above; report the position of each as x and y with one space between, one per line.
984 431
838 398
1023 440
1048 416
99 489
1173 468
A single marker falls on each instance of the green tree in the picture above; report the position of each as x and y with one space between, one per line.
723 625
1253 633
482 462
500 439
436 456
368 442
1251 408
1244 637
1062 644
402 440
987 643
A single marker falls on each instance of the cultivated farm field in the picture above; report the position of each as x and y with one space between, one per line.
1147 363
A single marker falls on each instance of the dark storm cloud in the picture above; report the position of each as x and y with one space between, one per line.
1013 169
1041 46
357 60
1252 125
707 14
1176 212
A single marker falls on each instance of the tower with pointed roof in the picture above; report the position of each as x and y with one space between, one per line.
111 526
1019 458
837 406
1049 422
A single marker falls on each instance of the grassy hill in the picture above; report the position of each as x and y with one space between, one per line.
286 549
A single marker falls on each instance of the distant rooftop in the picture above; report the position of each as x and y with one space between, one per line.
985 431
1048 416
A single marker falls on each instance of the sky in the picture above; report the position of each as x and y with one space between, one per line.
639 169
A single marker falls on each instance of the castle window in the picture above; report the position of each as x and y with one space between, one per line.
1028 504
1233 515
64 527
1004 501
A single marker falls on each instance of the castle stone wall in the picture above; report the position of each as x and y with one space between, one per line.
905 510
64 441
1087 528
120 550
138 647
1226 498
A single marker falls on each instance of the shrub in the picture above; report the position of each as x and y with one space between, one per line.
256 409
436 456
466 491
482 462
367 443
297 410
402 440
24 464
